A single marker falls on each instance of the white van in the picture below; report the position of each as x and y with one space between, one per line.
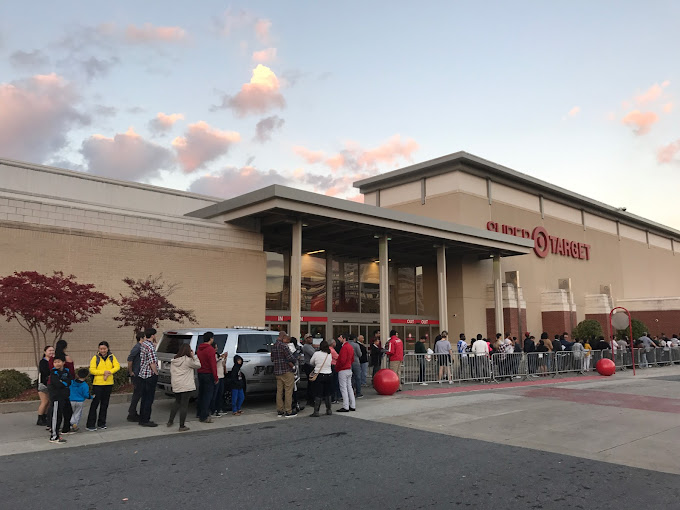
253 345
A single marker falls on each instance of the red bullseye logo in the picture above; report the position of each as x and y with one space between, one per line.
541 245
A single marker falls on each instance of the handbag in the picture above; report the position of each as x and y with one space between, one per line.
312 377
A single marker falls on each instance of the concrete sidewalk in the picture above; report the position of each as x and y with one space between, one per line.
623 419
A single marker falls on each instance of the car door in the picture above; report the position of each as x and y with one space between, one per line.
255 349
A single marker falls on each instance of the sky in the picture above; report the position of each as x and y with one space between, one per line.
224 98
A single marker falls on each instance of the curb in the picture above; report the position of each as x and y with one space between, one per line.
32 405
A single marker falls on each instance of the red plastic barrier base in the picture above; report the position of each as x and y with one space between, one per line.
386 382
605 367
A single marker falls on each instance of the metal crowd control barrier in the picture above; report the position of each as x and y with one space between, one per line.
442 368
457 368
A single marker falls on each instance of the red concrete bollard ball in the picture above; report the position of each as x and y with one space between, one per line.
386 382
605 367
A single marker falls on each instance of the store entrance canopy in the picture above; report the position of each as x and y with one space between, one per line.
351 229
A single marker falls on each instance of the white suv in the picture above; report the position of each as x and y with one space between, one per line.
253 345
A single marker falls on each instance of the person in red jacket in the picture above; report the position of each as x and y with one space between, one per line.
395 353
207 376
343 366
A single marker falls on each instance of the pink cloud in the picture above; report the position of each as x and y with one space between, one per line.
668 107
640 121
233 181
389 152
667 154
652 93
260 95
162 122
149 33
262 30
126 156
202 144
36 116
264 56
574 111
308 155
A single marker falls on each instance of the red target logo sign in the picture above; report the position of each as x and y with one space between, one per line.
541 242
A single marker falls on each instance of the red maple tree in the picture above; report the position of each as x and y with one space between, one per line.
148 304
48 305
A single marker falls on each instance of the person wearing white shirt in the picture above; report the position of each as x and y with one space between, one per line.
480 358
321 363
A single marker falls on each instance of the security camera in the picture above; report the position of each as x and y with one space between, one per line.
454 315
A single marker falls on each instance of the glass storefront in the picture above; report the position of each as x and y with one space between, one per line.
355 288
313 269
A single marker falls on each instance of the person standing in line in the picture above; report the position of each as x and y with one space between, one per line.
480 358
218 396
344 368
60 348
43 379
462 348
395 353
296 350
182 369
79 393
207 376
307 353
321 365
58 385
577 351
237 386
421 352
356 366
284 371
102 366
376 353
133 372
363 361
543 355
148 371
335 397
443 351
530 353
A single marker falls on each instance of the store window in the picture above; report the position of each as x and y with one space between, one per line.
313 282
278 281
403 290
345 285
370 287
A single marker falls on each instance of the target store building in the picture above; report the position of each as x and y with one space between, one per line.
456 243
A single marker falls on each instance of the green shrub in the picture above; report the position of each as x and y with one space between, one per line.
639 328
13 383
587 329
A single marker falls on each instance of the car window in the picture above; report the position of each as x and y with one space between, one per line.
220 342
170 343
255 342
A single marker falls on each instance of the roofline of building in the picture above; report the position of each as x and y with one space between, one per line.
91 177
503 175
278 192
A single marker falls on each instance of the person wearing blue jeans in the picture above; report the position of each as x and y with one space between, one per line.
207 376
237 385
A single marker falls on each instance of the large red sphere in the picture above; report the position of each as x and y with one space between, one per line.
605 367
386 382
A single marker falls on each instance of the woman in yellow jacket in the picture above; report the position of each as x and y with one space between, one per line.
102 367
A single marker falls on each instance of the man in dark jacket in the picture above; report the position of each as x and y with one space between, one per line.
376 352
133 371
207 376
58 387
529 350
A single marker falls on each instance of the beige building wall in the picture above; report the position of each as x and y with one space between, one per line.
633 268
219 268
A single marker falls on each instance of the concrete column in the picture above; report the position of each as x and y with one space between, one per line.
498 294
295 279
384 280
441 289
